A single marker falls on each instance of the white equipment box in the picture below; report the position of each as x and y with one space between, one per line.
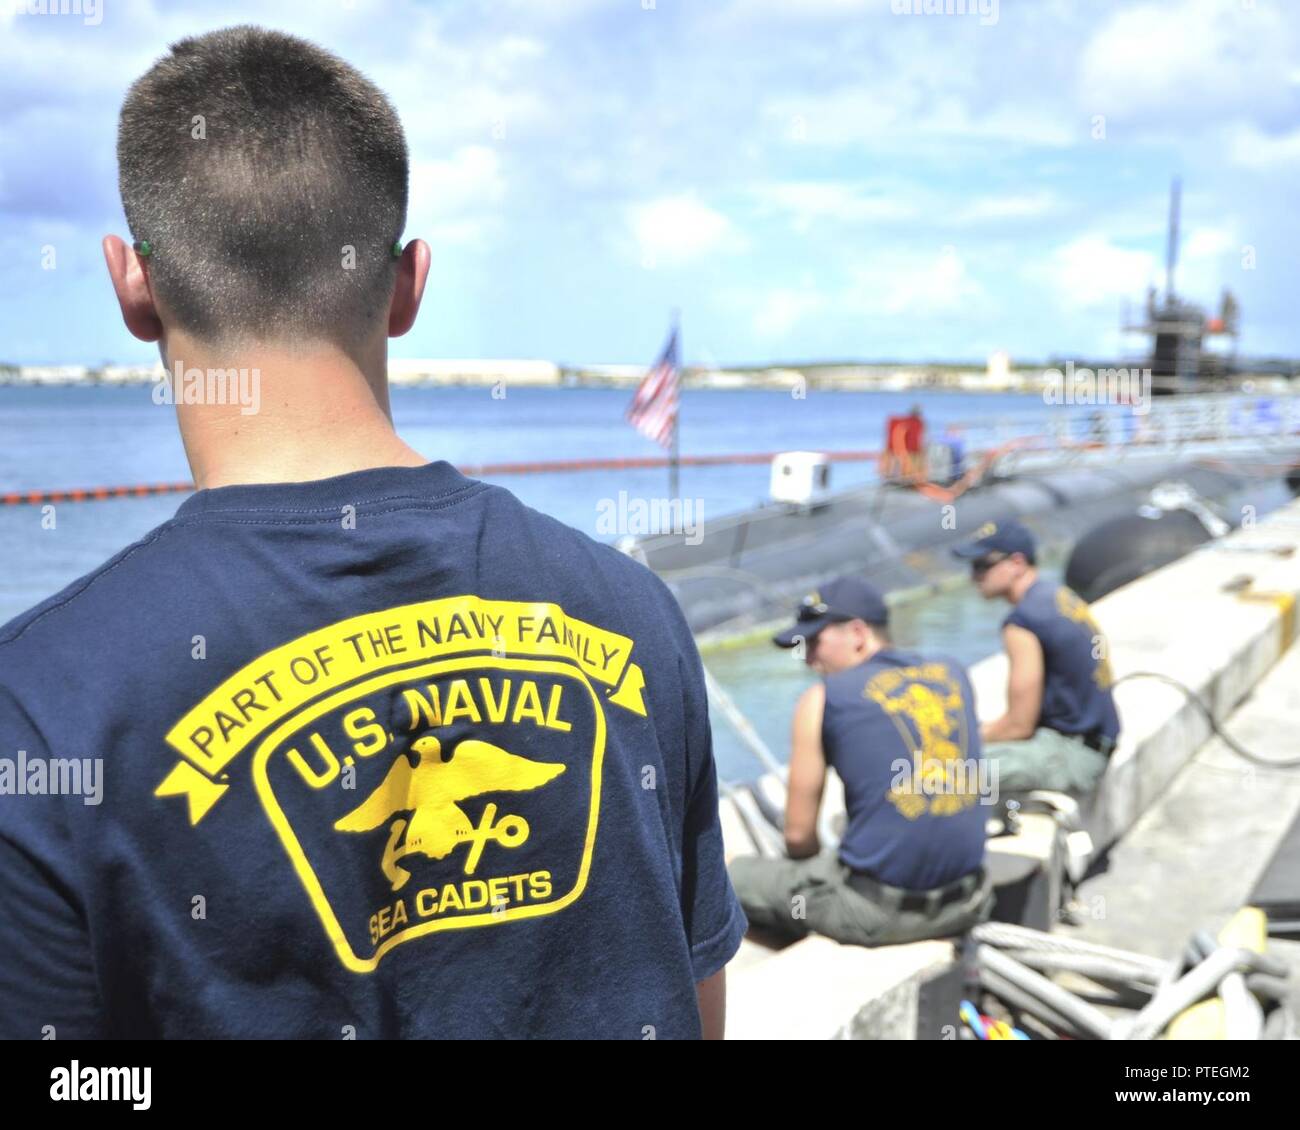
802 478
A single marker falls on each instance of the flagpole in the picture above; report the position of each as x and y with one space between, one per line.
677 420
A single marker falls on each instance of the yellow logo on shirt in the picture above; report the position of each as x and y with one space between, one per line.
430 767
1073 607
926 705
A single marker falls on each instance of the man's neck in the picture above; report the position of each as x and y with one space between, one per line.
302 414
865 654
1022 585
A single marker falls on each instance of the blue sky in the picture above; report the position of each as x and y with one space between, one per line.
806 179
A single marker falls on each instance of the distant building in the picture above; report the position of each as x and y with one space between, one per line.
131 374
406 371
53 374
998 372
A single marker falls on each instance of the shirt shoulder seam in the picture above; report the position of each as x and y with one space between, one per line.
89 579
329 513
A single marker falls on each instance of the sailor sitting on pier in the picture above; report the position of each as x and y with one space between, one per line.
900 730
1060 724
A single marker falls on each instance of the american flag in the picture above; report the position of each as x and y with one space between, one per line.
653 411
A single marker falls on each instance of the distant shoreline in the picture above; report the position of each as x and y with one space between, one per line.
820 377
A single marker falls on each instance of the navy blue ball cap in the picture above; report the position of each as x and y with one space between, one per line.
845 598
997 537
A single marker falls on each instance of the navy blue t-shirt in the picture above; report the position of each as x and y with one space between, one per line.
900 730
388 754
1076 673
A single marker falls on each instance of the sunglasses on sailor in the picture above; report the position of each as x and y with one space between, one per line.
982 565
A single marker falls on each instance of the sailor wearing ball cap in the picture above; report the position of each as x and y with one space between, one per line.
1060 724
900 731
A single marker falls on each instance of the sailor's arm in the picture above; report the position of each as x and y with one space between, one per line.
712 997
1024 688
807 774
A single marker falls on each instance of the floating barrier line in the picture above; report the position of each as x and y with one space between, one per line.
90 494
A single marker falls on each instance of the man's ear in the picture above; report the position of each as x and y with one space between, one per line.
131 283
412 272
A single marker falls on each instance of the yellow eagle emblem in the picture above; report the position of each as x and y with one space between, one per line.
431 789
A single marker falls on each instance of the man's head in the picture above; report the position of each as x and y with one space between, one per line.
842 624
269 180
1001 556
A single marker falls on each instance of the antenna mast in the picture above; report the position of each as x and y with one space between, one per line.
1171 256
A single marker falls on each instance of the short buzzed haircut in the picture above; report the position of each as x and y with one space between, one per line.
252 161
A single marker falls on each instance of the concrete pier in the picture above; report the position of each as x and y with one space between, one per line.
1193 858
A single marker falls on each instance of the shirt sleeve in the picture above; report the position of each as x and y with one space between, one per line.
47 981
715 922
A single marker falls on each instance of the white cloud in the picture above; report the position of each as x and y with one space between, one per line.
457 200
1254 149
457 90
1203 243
781 309
1022 122
907 108
914 284
896 292
1016 206
517 48
1195 60
1093 277
1090 272
804 203
674 230
833 204
556 11
746 9
1208 260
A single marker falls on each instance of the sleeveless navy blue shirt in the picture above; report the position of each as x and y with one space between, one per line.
1076 673
900 730
388 753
